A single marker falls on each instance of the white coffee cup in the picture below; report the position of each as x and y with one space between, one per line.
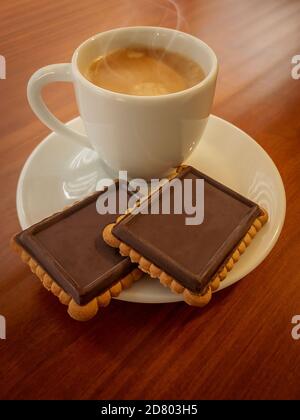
145 135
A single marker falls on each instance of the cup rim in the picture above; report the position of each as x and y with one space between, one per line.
208 78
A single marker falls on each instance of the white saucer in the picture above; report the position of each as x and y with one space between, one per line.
59 172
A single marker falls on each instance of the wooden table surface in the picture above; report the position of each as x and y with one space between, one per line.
240 346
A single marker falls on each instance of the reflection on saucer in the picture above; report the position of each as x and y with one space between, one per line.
83 176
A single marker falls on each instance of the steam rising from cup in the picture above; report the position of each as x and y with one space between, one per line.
160 13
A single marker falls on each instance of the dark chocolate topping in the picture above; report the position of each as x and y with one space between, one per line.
191 254
69 246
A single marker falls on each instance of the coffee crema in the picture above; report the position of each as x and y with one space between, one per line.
144 71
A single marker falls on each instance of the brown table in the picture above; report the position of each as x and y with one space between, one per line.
240 346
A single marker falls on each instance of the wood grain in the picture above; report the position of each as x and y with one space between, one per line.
238 347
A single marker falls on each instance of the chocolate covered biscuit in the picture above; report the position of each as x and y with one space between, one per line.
189 259
73 262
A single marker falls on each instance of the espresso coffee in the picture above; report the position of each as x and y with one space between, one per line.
144 72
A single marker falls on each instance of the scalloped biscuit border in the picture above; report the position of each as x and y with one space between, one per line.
155 272
76 311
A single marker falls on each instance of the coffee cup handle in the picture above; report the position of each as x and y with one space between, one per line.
41 78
